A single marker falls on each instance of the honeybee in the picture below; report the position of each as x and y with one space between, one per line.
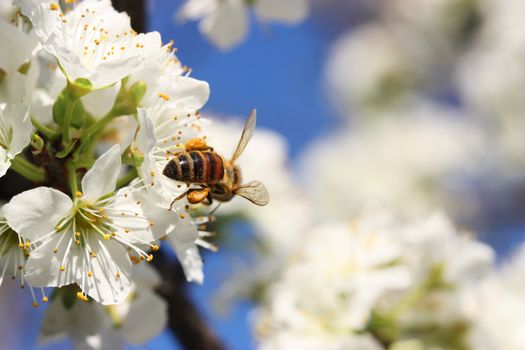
216 177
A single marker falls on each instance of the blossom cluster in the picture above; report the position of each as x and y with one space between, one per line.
366 247
90 113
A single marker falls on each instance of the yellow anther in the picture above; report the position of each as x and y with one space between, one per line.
45 299
55 250
155 247
90 274
77 234
142 258
70 1
53 6
107 237
118 274
152 173
27 244
82 296
78 194
182 216
62 268
149 258
164 96
35 304
20 245
77 242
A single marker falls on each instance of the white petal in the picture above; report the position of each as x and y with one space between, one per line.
101 179
5 163
289 11
182 240
188 92
145 139
104 287
99 102
43 266
133 220
18 117
227 26
146 319
36 212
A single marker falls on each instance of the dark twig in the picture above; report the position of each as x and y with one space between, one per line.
136 9
185 321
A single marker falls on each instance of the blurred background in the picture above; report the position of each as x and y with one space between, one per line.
410 105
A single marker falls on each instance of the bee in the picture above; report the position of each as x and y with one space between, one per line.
215 177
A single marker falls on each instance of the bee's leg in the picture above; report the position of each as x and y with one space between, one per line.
178 198
209 199
196 196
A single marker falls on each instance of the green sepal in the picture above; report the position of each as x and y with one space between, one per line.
24 68
59 110
79 88
132 156
137 92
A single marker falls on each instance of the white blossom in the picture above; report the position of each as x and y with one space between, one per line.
92 42
84 241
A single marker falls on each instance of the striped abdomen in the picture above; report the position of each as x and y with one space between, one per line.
195 167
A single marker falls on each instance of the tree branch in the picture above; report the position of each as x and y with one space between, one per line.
185 321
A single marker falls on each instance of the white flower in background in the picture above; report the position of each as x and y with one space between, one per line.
85 241
435 241
490 78
496 307
411 160
331 283
346 286
15 133
92 42
444 264
226 23
443 24
284 341
141 317
371 67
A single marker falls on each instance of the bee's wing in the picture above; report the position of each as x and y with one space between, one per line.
247 134
255 192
